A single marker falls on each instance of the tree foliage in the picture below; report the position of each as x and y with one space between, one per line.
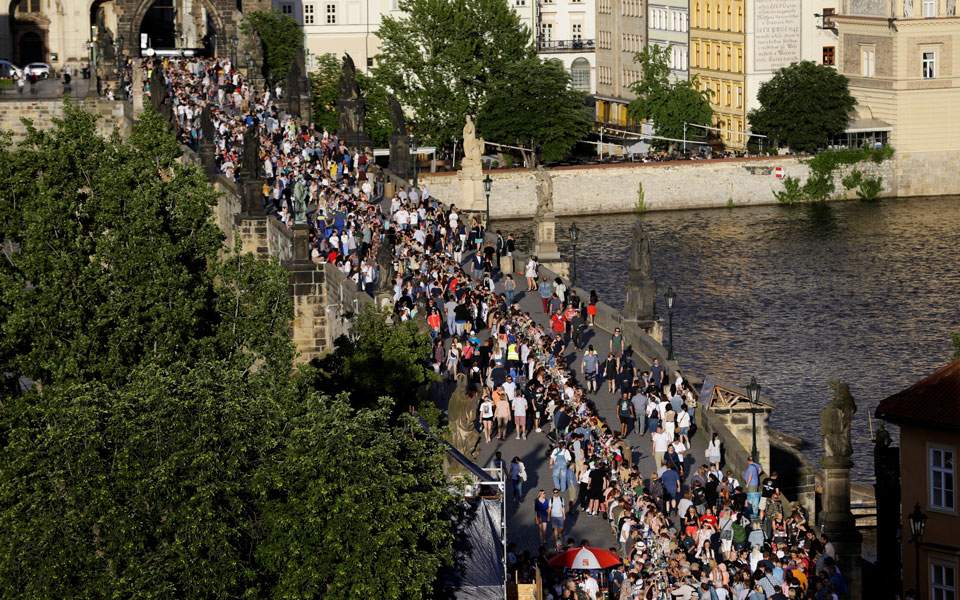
356 498
441 57
398 353
281 40
667 104
533 105
803 106
169 448
376 122
956 344
324 90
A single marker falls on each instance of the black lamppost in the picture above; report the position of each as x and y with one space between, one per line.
753 390
574 236
918 521
670 297
487 187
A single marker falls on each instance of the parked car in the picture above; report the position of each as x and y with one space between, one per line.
41 70
8 70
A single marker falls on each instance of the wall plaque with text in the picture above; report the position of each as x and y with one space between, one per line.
776 34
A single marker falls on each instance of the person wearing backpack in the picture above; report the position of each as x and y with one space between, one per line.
558 516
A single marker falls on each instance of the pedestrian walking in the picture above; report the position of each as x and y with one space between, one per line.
541 514
530 272
558 516
518 475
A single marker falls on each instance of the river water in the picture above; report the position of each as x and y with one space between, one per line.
795 296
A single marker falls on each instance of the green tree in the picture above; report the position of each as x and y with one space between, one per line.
533 105
376 122
803 106
398 353
281 40
170 448
956 345
441 57
668 105
324 90
361 501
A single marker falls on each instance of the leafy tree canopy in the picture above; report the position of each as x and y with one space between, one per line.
533 105
803 106
398 353
441 57
281 40
668 105
325 89
170 448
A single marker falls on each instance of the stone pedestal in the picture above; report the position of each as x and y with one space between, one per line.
472 197
251 196
640 302
545 248
837 521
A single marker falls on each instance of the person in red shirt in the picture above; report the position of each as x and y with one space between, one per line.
558 324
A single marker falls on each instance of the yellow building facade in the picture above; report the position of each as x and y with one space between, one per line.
717 46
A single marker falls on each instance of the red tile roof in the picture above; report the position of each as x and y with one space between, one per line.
934 401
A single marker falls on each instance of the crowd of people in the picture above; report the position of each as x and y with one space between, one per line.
686 529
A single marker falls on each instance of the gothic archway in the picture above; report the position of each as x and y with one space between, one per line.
170 25
28 31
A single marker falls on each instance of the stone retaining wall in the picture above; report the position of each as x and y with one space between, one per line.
112 114
593 189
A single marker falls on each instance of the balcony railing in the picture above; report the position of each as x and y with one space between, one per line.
566 46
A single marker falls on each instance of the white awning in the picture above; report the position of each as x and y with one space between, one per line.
868 126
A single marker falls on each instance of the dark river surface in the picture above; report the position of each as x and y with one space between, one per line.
795 296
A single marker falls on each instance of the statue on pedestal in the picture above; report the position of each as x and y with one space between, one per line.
294 88
835 421
641 299
472 147
462 413
159 96
299 201
351 106
544 192
250 162
399 143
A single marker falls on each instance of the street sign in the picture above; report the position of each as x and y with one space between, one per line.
778 172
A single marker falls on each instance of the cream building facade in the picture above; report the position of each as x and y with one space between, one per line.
903 61
567 31
668 26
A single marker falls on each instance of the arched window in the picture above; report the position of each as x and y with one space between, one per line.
580 74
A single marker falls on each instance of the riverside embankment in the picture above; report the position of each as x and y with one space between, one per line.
678 185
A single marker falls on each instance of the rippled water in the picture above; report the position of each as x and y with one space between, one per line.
796 297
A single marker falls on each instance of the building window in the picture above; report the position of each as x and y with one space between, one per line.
829 56
577 31
308 14
929 8
286 8
943 581
941 460
929 65
521 2
580 74
867 61
546 31
739 96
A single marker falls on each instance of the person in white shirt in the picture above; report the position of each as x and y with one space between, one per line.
660 441
519 405
558 516
590 586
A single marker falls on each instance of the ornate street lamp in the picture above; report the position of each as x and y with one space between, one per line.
753 391
574 236
918 522
487 187
670 297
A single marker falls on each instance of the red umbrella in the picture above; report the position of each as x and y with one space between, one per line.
585 558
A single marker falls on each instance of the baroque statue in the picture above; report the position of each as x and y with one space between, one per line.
206 125
399 144
835 421
544 183
250 162
462 413
472 145
350 104
640 264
